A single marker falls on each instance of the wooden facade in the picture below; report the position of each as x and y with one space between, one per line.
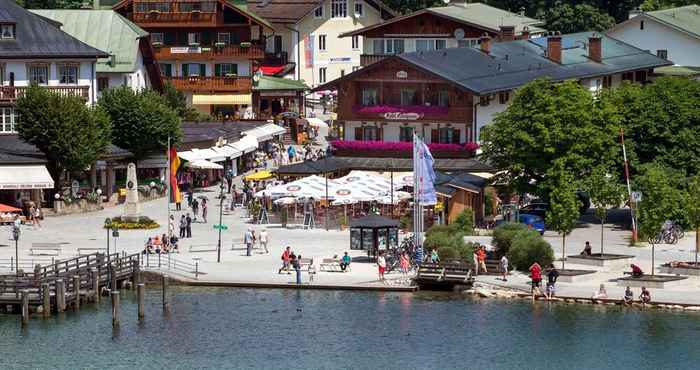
425 26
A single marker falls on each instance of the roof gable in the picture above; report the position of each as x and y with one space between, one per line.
685 18
294 11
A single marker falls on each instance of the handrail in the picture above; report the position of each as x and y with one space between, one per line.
170 263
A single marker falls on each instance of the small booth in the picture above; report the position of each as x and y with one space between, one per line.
274 95
374 233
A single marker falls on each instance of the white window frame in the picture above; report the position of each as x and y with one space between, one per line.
226 37
318 12
468 43
65 76
339 8
194 38
359 5
32 72
158 37
355 42
370 93
322 75
322 43
7 31
8 120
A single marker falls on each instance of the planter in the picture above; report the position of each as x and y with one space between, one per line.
245 45
157 44
651 281
398 153
613 261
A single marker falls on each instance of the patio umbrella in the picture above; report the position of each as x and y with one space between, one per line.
203 164
6 208
262 175
286 201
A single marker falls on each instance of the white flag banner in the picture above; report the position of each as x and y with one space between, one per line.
424 173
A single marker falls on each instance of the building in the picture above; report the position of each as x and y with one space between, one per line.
672 34
432 93
130 63
305 33
34 50
459 24
208 49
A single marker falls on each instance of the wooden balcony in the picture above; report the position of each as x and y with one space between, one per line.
367 59
11 93
208 53
211 84
160 19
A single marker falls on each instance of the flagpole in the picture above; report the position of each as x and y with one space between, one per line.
167 202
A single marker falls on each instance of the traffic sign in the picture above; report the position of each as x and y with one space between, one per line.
222 227
637 196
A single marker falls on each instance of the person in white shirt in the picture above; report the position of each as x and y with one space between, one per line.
263 240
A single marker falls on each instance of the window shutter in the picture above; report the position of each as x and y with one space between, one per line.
169 38
455 136
217 70
169 70
202 69
380 133
185 70
358 133
434 136
234 68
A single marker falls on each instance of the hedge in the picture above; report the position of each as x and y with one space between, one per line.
503 237
528 247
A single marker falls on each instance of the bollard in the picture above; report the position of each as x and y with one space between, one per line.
95 279
196 270
164 283
60 295
134 273
76 290
46 300
25 307
115 309
141 294
113 277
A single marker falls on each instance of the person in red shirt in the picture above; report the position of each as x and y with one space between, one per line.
286 256
536 276
482 258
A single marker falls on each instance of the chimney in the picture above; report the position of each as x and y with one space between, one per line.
526 33
554 47
507 33
595 48
485 43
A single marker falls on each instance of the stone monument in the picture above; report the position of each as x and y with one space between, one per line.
132 207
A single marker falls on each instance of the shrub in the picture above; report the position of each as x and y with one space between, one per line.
439 236
465 221
503 237
447 253
406 222
527 248
440 229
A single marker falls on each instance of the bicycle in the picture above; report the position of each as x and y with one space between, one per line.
665 236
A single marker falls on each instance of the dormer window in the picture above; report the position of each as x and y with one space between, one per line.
7 31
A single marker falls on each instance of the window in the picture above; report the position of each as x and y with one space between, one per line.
68 74
223 37
193 38
339 8
342 73
484 101
7 31
406 133
359 9
321 42
423 45
369 96
39 74
157 37
8 119
663 54
152 7
204 6
390 46
607 81
378 47
370 133
503 97
322 75
408 97
318 13
443 98
449 135
355 42
194 69
468 43
640 76
440 44
641 25
166 69
628 76
355 68
102 83
225 69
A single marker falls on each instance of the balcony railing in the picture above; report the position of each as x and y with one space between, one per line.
11 93
409 113
367 59
208 83
155 16
207 52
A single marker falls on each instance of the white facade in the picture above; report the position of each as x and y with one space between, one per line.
389 45
648 34
136 80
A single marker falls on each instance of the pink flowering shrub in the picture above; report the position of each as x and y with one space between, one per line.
431 110
352 145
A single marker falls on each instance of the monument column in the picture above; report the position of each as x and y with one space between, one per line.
132 207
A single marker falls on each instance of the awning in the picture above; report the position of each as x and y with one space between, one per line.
317 122
265 132
222 99
207 154
204 165
228 151
246 144
262 175
25 177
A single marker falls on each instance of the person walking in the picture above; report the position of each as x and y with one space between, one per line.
248 241
205 209
482 259
403 263
188 226
171 226
381 265
183 226
263 240
195 209
552 276
536 276
296 263
504 267
233 198
475 257
285 260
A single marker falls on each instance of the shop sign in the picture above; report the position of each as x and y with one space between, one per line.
340 60
402 116
401 74
293 188
186 50
278 93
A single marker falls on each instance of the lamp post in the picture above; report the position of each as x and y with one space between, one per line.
115 235
15 236
108 227
221 213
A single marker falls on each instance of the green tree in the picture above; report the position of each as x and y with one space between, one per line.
605 192
694 210
51 4
410 6
546 122
141 121
568 18
651 5
176 100
71 135
563 209
528 247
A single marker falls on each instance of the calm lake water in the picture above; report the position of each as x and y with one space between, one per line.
222 328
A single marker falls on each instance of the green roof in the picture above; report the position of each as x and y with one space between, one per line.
102 29
278 83
684 18
242 6
487 16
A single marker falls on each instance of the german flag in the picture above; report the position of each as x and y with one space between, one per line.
175 195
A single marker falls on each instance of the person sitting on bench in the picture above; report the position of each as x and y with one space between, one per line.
636 271
587 250
345 262
148 248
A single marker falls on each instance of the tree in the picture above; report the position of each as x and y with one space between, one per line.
176 100
546 122
651 5
410 6
605 192
568 18
71 135
51 4
141 121
563 205
694 210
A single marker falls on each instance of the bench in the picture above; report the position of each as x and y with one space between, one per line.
91 250
457 275
431 272
305 263
203 248
630 274
332 265
45 249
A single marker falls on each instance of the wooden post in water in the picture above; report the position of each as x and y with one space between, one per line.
141 293
115 308
135 273
95 279
46 300
164 284
76 288
60 295
113 282
25 307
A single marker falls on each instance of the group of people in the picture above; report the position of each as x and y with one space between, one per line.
479 257
161 245
290 260
250 239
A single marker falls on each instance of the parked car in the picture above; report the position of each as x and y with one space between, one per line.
533 222
535 208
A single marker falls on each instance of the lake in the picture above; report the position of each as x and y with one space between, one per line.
220 328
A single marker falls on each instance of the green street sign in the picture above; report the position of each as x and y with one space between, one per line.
222 227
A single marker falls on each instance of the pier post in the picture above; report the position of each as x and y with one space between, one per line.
135 273
46 299
113 281
95 279
25 307
141 293
60 295
115 308
164 284
76 287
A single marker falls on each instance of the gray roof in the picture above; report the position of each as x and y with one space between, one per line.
334 163
193 132
15 150
514 63
35 37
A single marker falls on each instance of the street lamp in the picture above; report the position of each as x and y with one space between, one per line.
115 235
15 236
221 213
108 227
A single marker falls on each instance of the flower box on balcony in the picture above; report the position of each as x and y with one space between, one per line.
382 149
220 45
194 44
245 45
206 50
157 44
196 11
154 12
418 111
230 75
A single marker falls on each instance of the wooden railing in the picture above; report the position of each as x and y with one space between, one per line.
208 52
208 83
367 59
11 93
174 17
